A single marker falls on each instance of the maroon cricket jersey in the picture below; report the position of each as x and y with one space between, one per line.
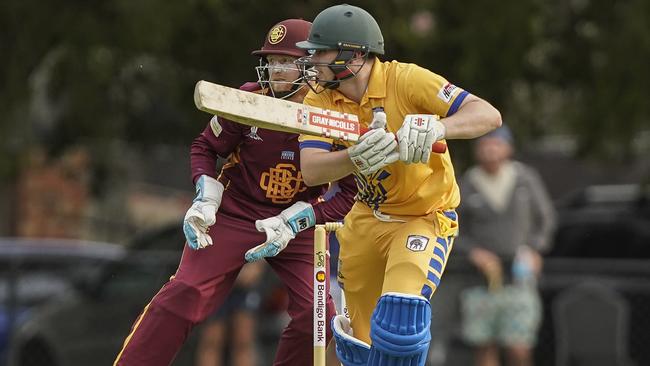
262 176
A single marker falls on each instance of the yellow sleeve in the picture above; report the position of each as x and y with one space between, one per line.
314 141
431 93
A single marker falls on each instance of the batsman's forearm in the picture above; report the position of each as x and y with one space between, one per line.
321 167
475 118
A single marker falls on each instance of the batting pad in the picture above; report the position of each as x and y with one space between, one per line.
349 350
400 330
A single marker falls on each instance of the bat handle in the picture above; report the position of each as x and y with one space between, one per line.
438 147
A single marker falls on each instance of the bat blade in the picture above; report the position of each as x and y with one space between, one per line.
274 114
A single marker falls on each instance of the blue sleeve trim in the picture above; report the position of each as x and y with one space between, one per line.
456 104
316 144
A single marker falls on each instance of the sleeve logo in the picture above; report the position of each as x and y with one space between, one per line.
447 92
215 126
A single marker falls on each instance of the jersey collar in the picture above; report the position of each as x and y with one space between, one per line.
376 85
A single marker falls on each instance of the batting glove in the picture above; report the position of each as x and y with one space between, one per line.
417 135
375 149
203 212
281 229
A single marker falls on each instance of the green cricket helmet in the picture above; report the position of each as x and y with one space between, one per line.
344 27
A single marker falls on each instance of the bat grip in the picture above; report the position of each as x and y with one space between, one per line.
438 147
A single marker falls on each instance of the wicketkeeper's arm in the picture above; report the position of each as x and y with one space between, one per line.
336 207
219 138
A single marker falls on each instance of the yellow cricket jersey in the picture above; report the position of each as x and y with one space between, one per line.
400 189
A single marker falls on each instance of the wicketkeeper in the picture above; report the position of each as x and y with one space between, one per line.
260 197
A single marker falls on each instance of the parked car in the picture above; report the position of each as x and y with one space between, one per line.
604 221
32 271
87 323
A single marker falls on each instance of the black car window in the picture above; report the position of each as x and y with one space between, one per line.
33 280
139 274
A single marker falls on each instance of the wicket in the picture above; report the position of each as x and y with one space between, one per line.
320 289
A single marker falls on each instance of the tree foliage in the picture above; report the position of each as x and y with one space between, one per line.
91 72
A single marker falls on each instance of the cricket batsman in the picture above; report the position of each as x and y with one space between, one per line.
260 197
398 236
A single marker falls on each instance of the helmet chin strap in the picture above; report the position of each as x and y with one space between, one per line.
340 68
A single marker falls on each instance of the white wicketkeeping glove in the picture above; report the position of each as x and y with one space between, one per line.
280 229
417 135
375 149
203 212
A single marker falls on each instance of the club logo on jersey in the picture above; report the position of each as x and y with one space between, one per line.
276 35
282 182
447 92
287 155
215 126
253 134
417 243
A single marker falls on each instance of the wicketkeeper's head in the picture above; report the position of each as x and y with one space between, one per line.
277 71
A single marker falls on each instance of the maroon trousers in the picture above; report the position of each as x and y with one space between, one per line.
203 280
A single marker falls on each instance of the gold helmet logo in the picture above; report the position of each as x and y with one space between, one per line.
276 35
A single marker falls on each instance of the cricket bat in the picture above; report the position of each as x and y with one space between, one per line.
280 115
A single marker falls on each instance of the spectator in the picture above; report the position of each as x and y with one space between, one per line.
507 218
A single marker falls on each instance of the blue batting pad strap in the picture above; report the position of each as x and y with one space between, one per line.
349 350
400 330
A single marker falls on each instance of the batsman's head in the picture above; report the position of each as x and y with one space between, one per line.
277 70
340 41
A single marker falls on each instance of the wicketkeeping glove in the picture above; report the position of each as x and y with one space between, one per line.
417 135
203 212
281 229
375 149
